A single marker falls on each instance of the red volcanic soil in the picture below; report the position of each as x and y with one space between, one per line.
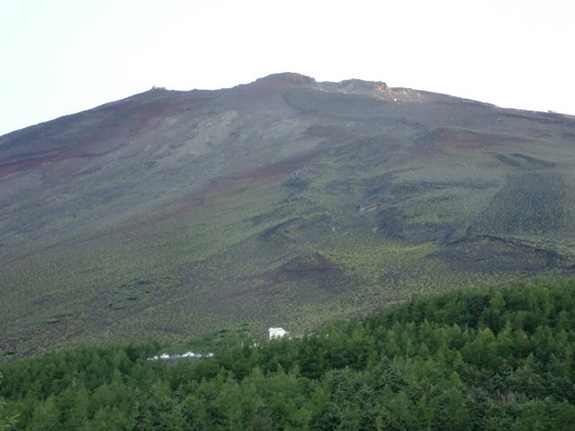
10 167
149 114
197 199
275 83
466 139
91 133
22 165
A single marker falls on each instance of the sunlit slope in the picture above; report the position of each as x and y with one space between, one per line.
283 202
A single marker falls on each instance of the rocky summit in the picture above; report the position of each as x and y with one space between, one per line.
284 202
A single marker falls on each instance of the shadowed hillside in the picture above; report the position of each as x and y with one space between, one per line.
282 202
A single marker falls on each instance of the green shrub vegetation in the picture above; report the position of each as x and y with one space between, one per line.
469 359
331 207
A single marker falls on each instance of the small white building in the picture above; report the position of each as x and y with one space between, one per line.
277 332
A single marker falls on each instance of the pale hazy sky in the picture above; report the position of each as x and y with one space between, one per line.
58 57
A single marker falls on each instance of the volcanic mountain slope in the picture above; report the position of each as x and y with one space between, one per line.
282 202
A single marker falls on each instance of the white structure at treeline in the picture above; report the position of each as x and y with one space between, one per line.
167 356
277 332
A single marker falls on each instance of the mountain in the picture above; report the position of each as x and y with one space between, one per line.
284 202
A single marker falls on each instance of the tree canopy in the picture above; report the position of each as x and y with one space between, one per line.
478 359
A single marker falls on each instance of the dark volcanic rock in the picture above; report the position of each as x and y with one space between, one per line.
284 199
